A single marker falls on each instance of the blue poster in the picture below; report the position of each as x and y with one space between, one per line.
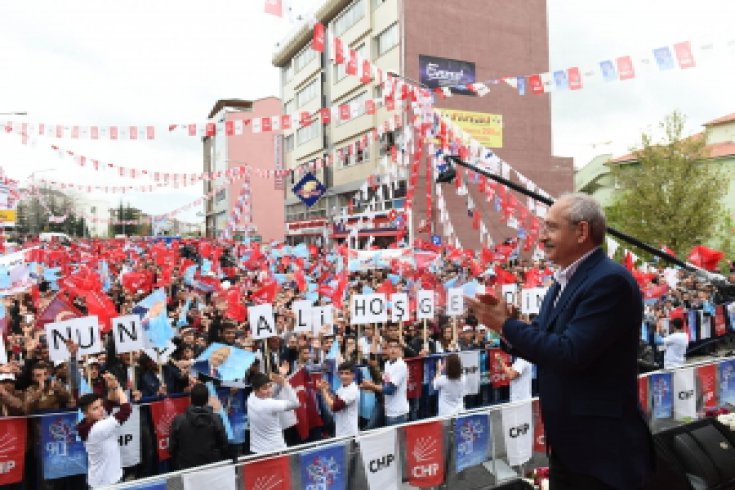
309 189
324 469
154 318
223 362
472 440
661 393
727 382
608 71
560 79
63 454
236 410
664 58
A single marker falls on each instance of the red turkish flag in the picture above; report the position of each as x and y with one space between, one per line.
12 450
643 393
625 68
539 434
704 257
163 413
425 454
498 378
708 381
574 77
274 7
270 474
307 415
535 84
317 43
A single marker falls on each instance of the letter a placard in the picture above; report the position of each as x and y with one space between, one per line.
84 331
128 334
262 323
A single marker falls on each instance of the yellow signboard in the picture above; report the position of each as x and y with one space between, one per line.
486 129
7 217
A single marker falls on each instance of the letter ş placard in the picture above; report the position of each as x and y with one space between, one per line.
455 301
262 323
83 331
302 316
399 307
425 304
368 308
128 334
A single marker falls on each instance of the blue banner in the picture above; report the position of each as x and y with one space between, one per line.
235 405
727 382
662 395
223 362
157 485
62 453
472 440
324 469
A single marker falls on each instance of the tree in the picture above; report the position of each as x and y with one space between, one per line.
671 195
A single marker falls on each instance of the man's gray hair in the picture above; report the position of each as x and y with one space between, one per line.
583 207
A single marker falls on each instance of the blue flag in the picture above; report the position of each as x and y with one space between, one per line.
222 412
182 314
235 405
154 318
662 395
62 453
224 362
472 440
367 398
324 468
727 382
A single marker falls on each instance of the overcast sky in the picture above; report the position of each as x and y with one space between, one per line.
143 62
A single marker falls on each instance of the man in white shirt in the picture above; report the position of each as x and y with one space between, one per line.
99 432
344 403
394 387
266 432
676 345
519 374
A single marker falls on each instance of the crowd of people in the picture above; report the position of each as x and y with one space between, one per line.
211 307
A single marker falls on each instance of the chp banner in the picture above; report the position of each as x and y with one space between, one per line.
62 452
12 450
129 438
472 439
425 454
518 433
707 376
381 460
270 474
324 469
163 413
685 401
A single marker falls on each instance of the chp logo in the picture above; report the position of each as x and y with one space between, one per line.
163 428
382 463
425 451
62 435
268 482
322 473
686 394
8 447
518 431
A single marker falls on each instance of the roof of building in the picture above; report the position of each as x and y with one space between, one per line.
222 103
715 150
721 120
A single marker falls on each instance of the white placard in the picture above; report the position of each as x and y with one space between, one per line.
368 308
262 323
129 438
455 301
320 316
510 294
531 300
83 331
161 355
399 307
128 334
425 304
302 316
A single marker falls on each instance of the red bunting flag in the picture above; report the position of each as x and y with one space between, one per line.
415 377
163 413
12 450
535 84
625 68
339 55
274 7
574 77
684 55
317 43
539 434
720 322
498 378
643 393
270 474
708 381
425 454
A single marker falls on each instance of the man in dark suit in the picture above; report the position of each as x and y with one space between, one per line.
584 342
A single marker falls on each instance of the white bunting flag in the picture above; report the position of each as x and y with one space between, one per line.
685 399
471 369
518 433
381 460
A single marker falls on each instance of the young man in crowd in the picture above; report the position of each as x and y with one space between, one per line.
99 431
344 404
394 386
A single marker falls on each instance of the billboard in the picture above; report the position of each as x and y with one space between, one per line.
437 72
9 198
486 128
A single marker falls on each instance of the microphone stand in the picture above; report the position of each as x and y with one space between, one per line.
726 289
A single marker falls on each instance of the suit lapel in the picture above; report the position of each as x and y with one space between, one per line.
548 302
577 279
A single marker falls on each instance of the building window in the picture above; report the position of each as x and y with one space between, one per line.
349 18
303 58
353 153
307 93
287 73
220 196
307 133
288 107
339 70
288 143
388 39
357 108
